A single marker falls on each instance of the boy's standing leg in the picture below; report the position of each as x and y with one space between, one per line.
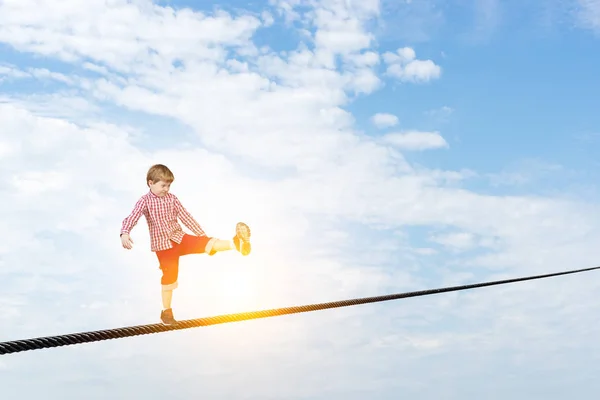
169 264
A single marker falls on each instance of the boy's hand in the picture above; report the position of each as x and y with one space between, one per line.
126 241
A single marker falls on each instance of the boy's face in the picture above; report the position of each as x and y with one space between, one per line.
159 188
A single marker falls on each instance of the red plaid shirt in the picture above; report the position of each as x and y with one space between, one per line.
161 214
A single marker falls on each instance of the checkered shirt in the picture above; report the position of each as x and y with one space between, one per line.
161 214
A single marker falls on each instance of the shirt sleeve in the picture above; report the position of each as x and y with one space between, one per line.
187 218
132 219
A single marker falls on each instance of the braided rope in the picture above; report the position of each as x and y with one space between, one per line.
93 336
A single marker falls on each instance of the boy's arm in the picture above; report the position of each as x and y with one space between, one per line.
187 218
132 219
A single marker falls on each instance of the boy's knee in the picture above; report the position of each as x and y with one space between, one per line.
169 277
170 286
209 249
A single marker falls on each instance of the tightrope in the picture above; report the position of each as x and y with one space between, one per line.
94 336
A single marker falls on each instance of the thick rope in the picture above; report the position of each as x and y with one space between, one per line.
86 337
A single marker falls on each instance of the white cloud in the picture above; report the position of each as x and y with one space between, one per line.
458 241
526 171
384 120
404 66
441 114
589 13
63 104
487 17
12 72
331 212
415 140
38 73
268 18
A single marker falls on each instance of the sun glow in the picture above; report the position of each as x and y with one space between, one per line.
237 290
223 284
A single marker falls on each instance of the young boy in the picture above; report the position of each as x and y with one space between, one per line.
168 240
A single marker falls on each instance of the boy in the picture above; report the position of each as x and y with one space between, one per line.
168 240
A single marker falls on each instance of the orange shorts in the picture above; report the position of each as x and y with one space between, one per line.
169 259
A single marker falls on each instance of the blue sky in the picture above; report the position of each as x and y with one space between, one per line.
486 168
537 82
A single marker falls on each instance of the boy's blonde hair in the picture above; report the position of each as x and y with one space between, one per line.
159 172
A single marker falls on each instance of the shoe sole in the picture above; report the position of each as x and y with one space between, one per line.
168 324
243 232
